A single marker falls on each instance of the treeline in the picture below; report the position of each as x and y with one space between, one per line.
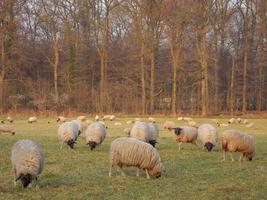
133 56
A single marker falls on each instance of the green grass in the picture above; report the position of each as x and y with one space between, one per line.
83 174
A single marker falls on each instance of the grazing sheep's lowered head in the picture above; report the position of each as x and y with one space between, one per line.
209 146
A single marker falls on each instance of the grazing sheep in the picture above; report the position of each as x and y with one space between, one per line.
127 131
27 161
95 134
239 120
153 133
231 121
68 133
245 121
180 118
207 135
10 119
106 117
222 125
169 125
193 124
130 122
32 120
61 119
216 121
185 134
81 118
127 151
233 140
117 123
6 129
97 118
152 119
250 125
112 117
188 119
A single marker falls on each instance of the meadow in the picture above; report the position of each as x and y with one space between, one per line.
192 173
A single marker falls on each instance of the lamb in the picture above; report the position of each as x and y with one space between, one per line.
68 133
6 129
27 161
152 119
169 125
234 140
231 121
250 125
95 134
208 136
144 132
127 131
125 151
10 119
185 134
61 119
32 120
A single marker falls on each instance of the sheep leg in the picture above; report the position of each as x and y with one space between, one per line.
14 176
147 175
241 157
61 145
179 144
232 158
110 168
122 172
137 172
223 156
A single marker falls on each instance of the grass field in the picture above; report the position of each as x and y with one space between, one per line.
192 173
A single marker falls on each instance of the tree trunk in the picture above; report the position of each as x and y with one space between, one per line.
142 74
244 89
2 74
55 65
152 78
232 87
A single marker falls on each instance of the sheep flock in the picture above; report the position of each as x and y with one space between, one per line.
138 145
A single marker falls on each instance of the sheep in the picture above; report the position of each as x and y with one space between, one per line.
27 161
95 134
234 140
130 122
81 118
250 125
137 119
193 124
180 119
10 119
245 121
239 120
127 131
125 151
153 133
222 125
68 133
6 129
187 119
32 120
61 119
215 120
97 118
117 123
185 134
151 119
106 117
144 132
112 117
169 125
231 121
208 136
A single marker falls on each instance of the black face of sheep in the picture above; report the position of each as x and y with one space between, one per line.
209 146
178 130
92 145
25 179
153 142
71 143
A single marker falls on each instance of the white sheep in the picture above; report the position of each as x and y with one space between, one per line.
207 134
10 119
250 125
187 119
130 122
112 117
68 133
32 119
231 121
117 123
106 117
151 119
233 140
27 161
239 120
95 134
127 131
222 125
245 121
193 124
81 118
185 134
97 118
169 125
180 119
6 129
61 119
127 151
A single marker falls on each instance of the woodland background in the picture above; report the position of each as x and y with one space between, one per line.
132 56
